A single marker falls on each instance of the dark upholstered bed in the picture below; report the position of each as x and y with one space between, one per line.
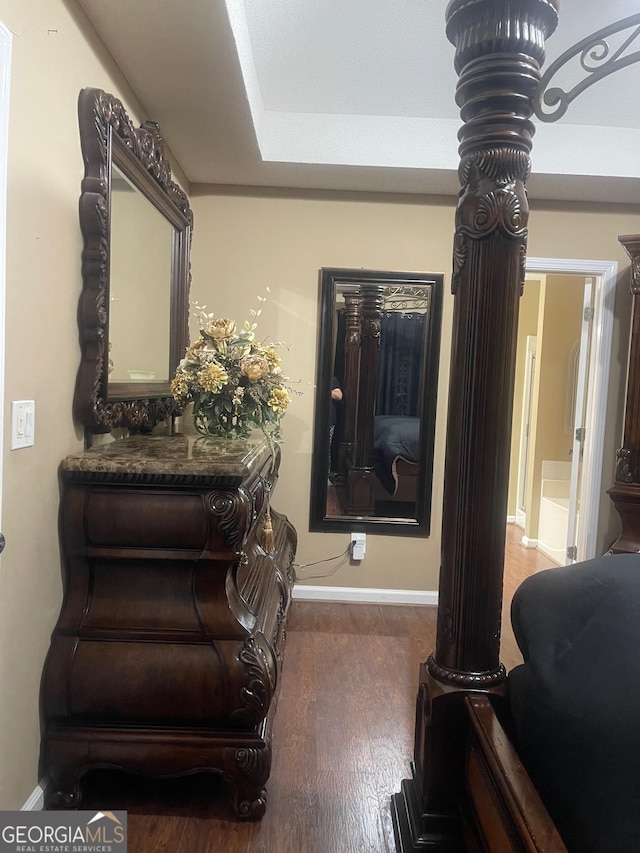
396 448
575 700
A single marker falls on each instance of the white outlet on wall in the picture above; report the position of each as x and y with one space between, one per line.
23 423
358 546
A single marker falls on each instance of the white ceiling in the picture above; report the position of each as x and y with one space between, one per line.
355 95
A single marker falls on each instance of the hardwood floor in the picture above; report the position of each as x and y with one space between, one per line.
343 738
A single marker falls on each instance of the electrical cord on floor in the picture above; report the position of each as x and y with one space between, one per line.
343 557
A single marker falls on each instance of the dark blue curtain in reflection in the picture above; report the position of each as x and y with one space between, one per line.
400 363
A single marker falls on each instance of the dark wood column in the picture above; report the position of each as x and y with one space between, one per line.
361 494
499 51
352 369
625 492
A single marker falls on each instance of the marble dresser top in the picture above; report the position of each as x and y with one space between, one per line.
171 456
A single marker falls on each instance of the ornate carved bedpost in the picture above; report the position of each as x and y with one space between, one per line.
499 51
361 495
351 369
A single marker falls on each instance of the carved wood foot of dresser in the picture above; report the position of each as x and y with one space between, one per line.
166 657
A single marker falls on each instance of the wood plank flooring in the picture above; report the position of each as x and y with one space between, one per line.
343 738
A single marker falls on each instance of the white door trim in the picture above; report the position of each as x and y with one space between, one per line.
605 274
579 423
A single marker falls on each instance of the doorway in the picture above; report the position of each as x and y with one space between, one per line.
560 405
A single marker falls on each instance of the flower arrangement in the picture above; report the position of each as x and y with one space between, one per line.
235 383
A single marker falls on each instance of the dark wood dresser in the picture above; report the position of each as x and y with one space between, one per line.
166 656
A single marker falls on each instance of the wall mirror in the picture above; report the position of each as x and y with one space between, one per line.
376 384
133 312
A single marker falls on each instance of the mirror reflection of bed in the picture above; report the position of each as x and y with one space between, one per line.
381 342
396 420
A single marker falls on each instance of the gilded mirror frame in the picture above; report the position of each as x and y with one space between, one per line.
374 281
108 137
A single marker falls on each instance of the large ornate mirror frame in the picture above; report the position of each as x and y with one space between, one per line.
379 343
113 148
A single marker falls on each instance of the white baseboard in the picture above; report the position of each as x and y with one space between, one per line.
529 543
511 519
35 800
357 595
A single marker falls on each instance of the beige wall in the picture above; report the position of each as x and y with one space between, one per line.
244 241
54 56
527 327
559 325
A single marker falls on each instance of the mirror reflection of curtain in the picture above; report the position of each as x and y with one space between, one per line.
400 363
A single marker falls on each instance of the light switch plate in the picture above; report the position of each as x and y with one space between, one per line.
23 423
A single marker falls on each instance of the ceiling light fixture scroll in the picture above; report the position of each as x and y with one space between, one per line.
597 60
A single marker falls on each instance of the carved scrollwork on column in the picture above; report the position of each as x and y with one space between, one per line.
466 679
370 328
352 319
624 474
494 199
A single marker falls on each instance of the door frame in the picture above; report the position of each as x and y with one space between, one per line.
605 275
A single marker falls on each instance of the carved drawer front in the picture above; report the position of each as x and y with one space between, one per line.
146 519
154 683
141 594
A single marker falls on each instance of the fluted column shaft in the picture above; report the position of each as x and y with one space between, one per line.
499 50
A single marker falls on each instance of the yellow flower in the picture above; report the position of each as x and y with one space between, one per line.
193 352
254 367
279 400
272 356
221 329
213 378
180 385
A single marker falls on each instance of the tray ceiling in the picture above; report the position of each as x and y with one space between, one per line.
350 96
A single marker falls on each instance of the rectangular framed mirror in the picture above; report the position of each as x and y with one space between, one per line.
376 389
